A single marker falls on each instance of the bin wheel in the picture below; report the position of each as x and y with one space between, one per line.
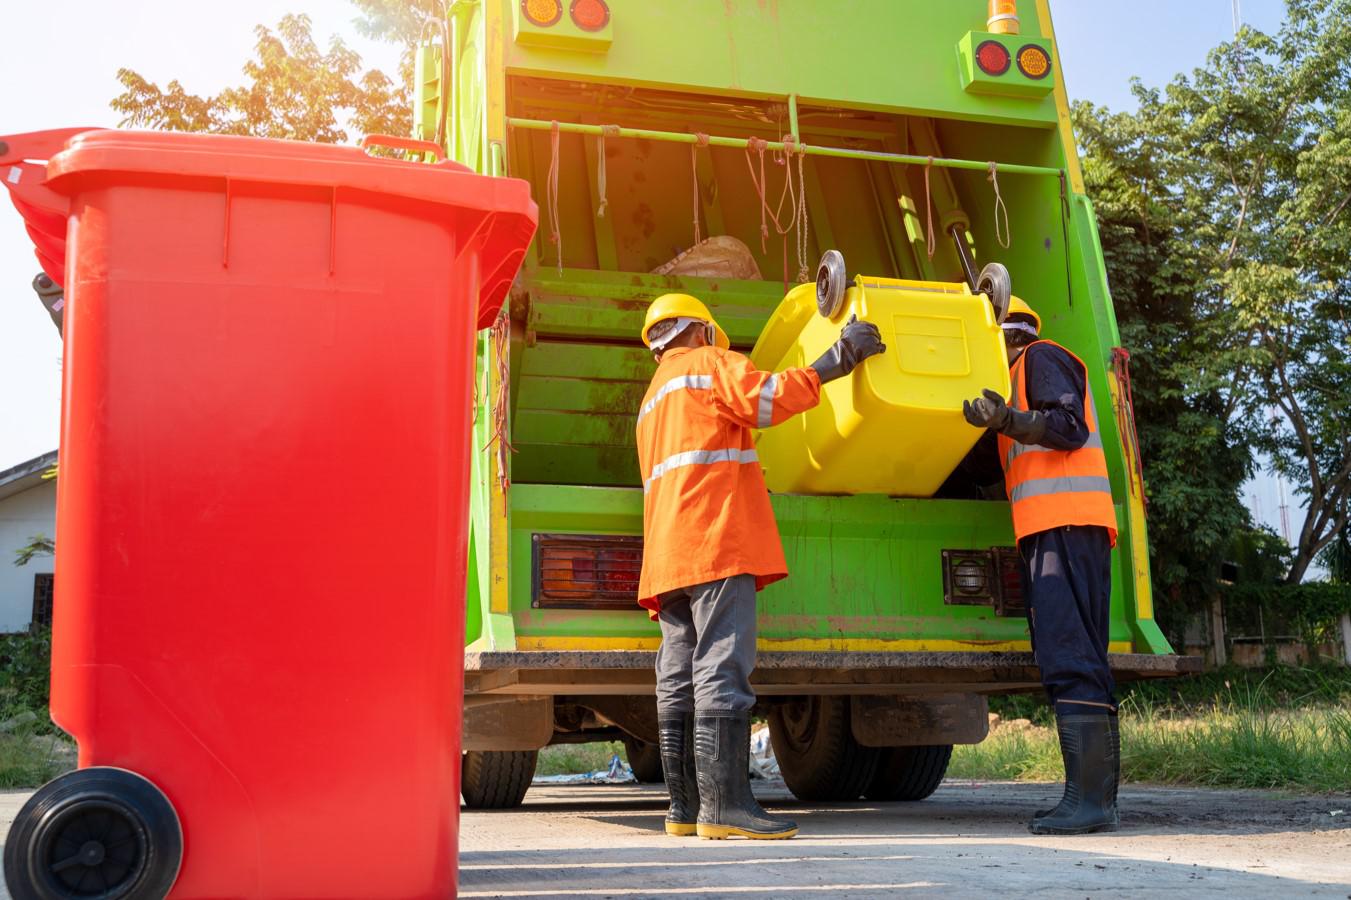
830 283
909 773
496 779
644 760
994 282
816 750
96 834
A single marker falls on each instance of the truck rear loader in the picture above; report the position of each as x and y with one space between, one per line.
721 148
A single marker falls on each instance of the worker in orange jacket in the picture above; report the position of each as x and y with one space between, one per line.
710 542
1055 476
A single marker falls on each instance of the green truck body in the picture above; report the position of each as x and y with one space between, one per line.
638 122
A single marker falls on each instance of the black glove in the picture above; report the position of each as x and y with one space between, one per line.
858 341
990 411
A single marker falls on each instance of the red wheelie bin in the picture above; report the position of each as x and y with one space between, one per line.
258 622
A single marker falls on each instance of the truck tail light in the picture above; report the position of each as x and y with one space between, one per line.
991 577
1033 62
968 577
1009 566
542 13
993 58
590 15
581 571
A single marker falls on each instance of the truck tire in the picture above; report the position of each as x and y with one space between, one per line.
816 750
909 773
644 760
496 779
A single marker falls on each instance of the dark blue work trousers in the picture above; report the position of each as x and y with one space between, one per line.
1067 574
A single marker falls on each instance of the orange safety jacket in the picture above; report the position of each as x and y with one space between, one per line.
706 512
1051 488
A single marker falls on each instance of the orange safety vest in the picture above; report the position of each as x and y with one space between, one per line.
706 512
1050 488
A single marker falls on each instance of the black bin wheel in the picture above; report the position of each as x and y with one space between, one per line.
95 834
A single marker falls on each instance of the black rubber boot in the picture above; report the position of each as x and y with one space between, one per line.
722 758
676 739
1091 748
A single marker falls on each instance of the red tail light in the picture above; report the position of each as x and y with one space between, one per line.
1009 598
590 15
993 58
579 571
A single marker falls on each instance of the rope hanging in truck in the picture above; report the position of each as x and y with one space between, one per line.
810 150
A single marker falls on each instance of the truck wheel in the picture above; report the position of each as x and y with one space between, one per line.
496 779
99 832
644 760
816 750
909 773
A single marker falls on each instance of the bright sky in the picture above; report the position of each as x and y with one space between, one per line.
61 71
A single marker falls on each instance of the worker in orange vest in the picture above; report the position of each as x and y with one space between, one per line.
709 543
1055 476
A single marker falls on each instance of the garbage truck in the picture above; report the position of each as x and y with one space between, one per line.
918 157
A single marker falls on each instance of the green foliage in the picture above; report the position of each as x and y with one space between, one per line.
25 672
1275 688
29 759
1225 197
575 759
1244 737
38 545
1310 609
294 90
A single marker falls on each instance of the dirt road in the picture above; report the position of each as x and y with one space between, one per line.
966 840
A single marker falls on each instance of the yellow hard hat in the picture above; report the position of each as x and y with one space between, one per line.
674 306
1018 305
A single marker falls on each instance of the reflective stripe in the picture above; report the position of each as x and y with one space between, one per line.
767 401
1094 442
1067 484
699 458
680 382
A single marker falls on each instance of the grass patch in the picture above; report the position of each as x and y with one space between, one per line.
1279 687
574 759
1236 746
30 759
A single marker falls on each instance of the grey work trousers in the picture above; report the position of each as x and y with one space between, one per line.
707 647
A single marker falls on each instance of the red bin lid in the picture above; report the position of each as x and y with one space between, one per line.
501 237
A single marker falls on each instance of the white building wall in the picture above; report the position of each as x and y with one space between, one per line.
23 515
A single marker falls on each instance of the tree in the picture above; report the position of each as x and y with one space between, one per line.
1239 179
1195 459
294 91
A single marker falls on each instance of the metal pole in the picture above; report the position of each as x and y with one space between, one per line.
811 150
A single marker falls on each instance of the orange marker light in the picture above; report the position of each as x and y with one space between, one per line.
1003 17
1033 62
542 13
993 58
590 15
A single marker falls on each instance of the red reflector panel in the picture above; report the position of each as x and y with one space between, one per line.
1009 568
542 12
1033 62
993 58
590 15
578 571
